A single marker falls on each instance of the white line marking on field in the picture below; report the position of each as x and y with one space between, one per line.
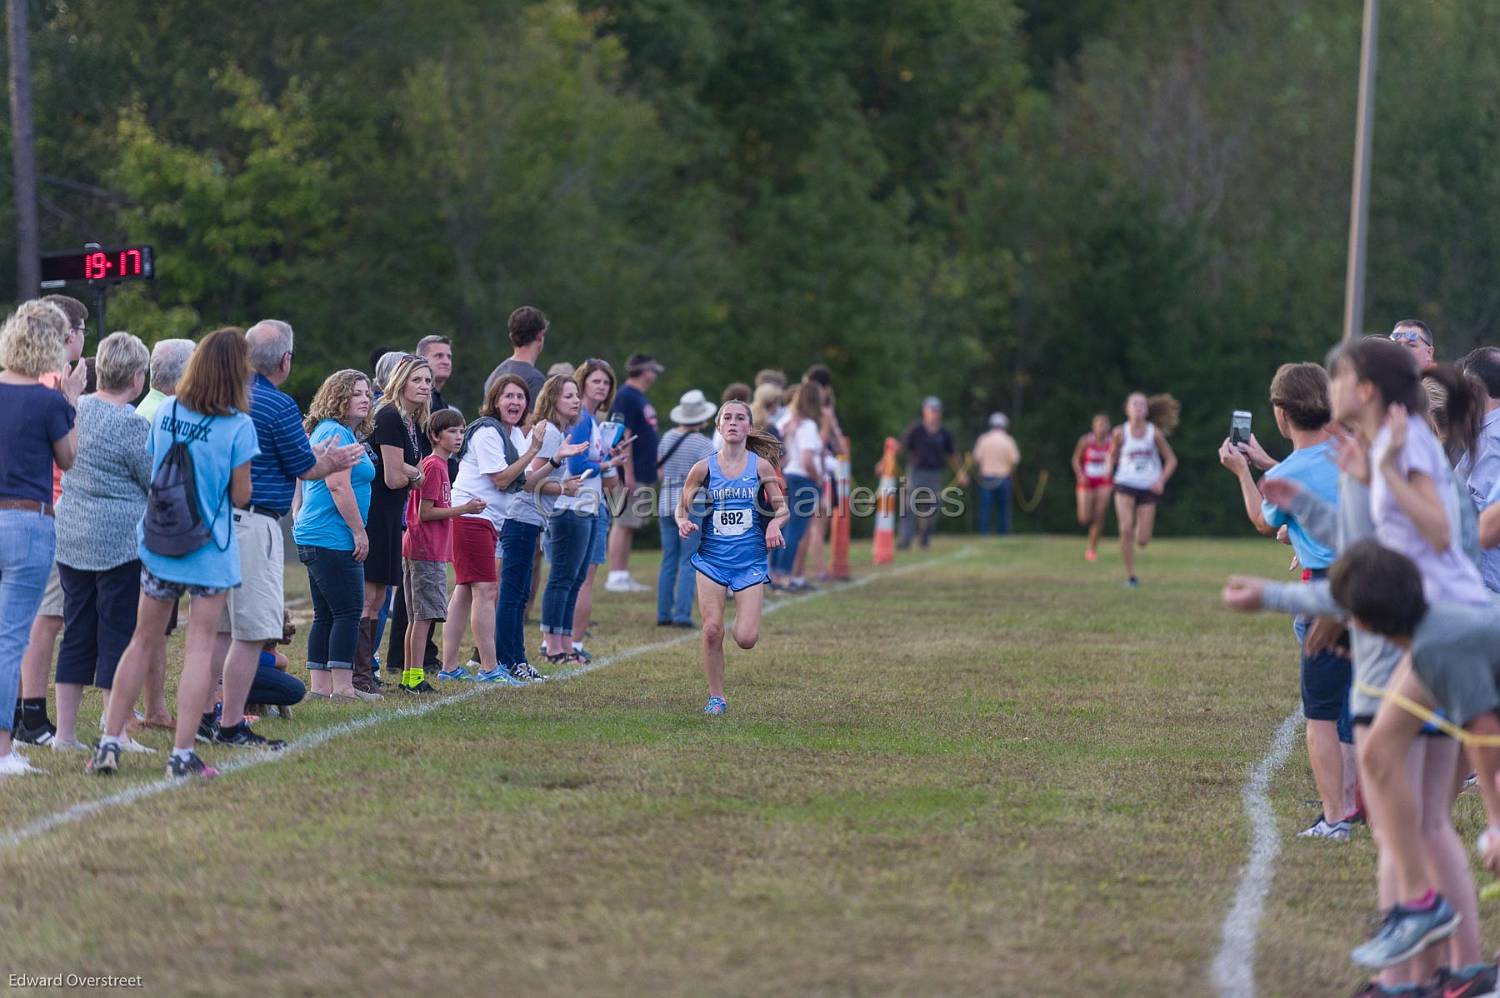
1233 972
11 838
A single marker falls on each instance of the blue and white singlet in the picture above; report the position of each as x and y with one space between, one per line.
733 550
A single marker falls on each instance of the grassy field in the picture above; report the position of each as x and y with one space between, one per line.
996 771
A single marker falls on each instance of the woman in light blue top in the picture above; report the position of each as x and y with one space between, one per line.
331 540
209 417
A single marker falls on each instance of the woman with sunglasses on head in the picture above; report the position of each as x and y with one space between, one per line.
731 556
599 466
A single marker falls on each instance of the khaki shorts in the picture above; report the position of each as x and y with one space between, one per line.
52 599
253 611
638 507
425 586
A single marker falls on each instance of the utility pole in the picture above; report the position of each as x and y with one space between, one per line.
23 153
1359 200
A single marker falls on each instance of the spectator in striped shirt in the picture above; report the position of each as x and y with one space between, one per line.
253 614
682 447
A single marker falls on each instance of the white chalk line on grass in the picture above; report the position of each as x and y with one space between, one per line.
10 838
1233 972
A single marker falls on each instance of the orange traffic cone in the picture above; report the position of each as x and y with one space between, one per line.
840 569
885 506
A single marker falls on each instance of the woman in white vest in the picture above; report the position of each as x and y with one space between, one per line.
1143 461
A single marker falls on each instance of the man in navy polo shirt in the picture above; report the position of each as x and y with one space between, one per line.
253 615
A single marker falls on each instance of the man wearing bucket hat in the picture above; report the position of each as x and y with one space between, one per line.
683 446
639 417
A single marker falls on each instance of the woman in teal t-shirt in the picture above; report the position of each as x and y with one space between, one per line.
209 415
331 540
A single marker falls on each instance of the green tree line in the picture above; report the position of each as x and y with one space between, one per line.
1034 206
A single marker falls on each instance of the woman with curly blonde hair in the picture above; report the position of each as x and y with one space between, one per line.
36 429
331 538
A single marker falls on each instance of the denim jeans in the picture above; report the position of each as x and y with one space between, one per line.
678 581
275 688
994 492
930 482
27 542
517 547
569 537
337 585
801 500
99 619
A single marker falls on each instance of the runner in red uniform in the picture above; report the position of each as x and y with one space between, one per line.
1093 471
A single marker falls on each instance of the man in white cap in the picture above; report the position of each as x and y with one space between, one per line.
996 456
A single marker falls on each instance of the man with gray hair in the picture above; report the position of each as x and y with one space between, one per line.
932 448
169 358
253 614
996 456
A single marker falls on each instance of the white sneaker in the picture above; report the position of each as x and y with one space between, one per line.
128 744
58 745
1335 831
14 764
624 585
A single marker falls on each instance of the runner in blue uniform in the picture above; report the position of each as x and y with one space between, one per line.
732 554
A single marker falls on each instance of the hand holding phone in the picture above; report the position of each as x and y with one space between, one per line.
1239 427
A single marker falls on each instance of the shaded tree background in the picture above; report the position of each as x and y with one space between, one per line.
1034 206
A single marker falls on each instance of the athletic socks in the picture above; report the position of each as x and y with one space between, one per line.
182 753
108 740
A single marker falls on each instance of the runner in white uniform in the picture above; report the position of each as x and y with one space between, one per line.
1143 461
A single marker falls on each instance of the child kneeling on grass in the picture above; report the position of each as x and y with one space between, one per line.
428 546
1452 663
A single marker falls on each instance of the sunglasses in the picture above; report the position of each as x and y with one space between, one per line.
1409 336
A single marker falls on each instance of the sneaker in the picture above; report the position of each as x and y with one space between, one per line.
1471 982
457 674
1337 831
240 736
715 705
475 664
42 734
180 768
59 745
13 764
368 696
500 674
128 744
106 760
582 653
208 731
1405 932
802 586
524 671
420 689
1091 556
624 585
1132 583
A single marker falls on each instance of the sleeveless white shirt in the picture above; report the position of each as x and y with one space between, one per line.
1140 464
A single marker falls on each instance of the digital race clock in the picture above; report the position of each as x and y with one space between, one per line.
129 263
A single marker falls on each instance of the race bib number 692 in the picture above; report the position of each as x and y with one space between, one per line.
732 522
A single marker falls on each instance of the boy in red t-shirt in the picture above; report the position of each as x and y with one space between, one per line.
428 545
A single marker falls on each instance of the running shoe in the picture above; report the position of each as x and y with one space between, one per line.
106 760
1337 831
1132 583
179 767
59 745
1471 782
1475 981
208 730
14 764
458 673
499 674
128 744
524 671
420 689
715 705
240 736
1405 932
1091 556
41 734
625 585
